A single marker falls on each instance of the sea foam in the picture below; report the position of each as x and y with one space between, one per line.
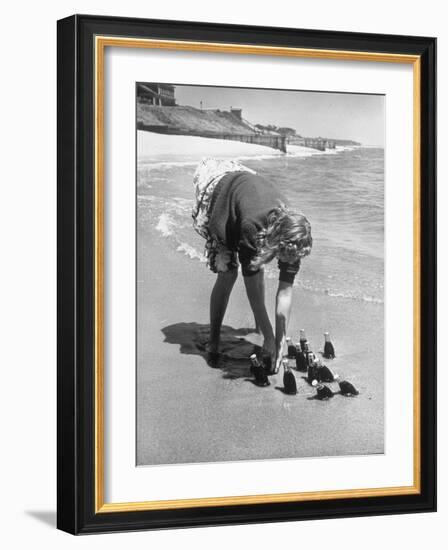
191 252
165 224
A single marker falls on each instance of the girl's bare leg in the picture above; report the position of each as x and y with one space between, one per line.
263 295
218 305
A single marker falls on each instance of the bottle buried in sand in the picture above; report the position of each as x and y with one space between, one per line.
324 374
289 380
347 388
292 351
303 339
323 392
328 347
312 369
258 372
301 360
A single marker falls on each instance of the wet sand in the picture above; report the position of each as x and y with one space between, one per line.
190 412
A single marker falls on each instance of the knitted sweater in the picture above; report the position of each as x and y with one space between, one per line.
239 209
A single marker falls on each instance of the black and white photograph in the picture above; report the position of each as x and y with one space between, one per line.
260 274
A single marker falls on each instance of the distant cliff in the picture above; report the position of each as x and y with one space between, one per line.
190 121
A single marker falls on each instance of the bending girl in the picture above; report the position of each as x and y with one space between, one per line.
245 219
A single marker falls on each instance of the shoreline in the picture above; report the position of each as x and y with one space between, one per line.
168 149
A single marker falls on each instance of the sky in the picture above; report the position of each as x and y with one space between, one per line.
359 117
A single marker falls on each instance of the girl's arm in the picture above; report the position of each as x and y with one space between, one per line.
282 313
255 292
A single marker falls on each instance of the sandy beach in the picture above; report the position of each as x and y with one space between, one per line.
190 412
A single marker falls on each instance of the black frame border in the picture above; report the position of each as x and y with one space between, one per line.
75 272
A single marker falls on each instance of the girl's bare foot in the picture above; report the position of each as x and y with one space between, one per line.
213 359
213 355
212 347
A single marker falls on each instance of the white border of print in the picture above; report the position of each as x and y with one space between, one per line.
124 482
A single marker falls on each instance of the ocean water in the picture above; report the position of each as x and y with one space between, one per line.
341 192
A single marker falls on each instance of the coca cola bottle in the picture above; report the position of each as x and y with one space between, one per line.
323 392
303 339
258 372
312 368
301 360
289 380
324 374
292 351
347 388
328 347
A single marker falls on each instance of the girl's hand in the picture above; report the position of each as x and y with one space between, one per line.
278 363
280 353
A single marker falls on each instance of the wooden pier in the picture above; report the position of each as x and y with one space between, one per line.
273 141
321 144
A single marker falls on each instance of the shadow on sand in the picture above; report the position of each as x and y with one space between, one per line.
235 347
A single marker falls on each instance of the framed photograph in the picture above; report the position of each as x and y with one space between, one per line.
246 274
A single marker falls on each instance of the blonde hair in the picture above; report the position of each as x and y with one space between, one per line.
287 236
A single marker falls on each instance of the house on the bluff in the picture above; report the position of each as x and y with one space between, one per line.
156 94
